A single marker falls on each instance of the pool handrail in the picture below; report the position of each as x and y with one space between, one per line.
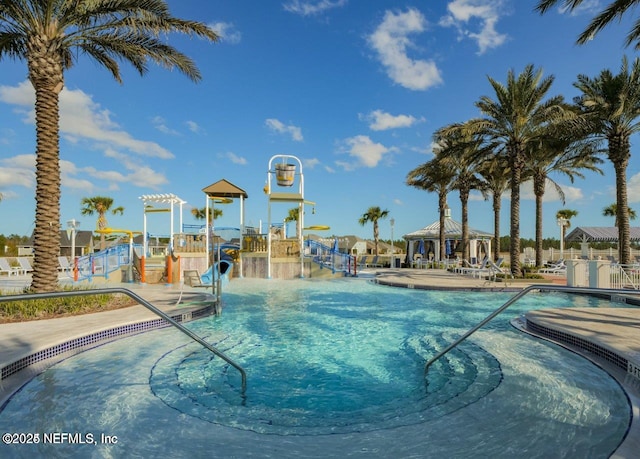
143 302
523 292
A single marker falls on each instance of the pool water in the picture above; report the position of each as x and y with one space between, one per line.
334 369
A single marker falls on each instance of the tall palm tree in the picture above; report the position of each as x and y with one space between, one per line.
201 214
462 154
611 106
435 177
613 12
612 211
518 117
373 214
557 155
564 217
50 35
293 216
494 172
100 205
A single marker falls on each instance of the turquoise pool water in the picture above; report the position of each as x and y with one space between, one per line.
334 369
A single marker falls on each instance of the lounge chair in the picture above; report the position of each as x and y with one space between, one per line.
559 269
64 265
5 267
25 264
374 263
363 262
193 279
473 270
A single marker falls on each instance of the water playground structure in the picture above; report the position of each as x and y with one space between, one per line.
203 255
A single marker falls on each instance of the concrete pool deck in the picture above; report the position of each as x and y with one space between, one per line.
616 330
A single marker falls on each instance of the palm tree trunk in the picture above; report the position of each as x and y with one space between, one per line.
46 234
619 153
624 230
496 225
517 165
464 200
442 206
376 235
538 190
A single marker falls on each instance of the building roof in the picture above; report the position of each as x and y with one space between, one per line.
452 230
599 234
224 189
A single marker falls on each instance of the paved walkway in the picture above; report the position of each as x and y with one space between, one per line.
616 330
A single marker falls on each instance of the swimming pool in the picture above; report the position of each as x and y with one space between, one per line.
335 369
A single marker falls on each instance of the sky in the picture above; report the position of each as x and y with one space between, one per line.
354 89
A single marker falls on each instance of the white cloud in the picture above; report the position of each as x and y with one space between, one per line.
193 127
366 152
279 127
227 32
310 163
571 193
391 40
465 13
235 159
161 125
82 119
633 188
18 171
308 8
381 121
586 7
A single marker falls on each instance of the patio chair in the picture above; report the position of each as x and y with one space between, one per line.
363 262
476 269
193 279
374 263
64 265
25 264
5 267
558 269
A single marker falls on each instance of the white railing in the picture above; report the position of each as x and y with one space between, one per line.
625 276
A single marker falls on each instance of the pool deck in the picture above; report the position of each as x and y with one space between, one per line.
615 330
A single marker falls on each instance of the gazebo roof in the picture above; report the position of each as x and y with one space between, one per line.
599 234
452 230
225 189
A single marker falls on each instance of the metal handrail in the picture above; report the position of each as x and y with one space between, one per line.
515 298
143 302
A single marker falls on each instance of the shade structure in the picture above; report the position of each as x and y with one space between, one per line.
452 232
599 234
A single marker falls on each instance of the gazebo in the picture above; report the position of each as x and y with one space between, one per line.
427 240
586 234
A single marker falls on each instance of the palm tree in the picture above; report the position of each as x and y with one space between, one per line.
611 107
461 153
557 155
100 205
50 35
564 216
494 172
435 177
201 214
612 211
293 216
517 118
613 12
373 214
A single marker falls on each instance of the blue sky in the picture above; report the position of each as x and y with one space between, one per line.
353 88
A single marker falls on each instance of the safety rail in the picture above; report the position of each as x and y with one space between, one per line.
329 257
625 276
143 302
106 261
538 287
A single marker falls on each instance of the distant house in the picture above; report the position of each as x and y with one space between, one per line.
84 244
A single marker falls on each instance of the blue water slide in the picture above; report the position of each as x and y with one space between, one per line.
222 269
